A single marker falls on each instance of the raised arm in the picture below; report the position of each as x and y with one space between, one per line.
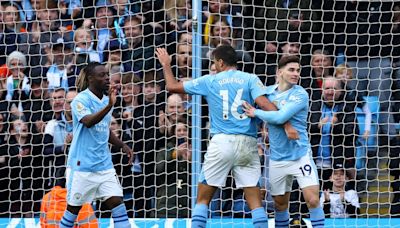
172 85
92 119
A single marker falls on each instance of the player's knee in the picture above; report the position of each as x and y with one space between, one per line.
74 209
281 206
113 201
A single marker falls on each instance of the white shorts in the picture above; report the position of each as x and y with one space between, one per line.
281 174
231 152
84 187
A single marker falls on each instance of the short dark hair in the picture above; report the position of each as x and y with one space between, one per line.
227 53
288 59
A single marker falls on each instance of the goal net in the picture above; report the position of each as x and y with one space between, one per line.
349 53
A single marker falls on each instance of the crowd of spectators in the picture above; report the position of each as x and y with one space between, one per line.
349 51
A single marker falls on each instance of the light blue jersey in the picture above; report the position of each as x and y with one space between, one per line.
293 107
225 93
89 150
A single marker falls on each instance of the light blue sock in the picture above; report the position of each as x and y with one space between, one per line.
259 217
317 217
199 217
68 220
282 218
120 216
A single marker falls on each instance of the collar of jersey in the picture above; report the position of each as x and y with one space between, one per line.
94 96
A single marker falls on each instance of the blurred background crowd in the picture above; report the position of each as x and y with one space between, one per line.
350 55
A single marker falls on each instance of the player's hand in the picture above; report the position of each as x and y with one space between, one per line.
291 132
248 109
163 57
129 152
112 94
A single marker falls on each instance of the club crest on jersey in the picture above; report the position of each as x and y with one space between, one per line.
282 103
80 107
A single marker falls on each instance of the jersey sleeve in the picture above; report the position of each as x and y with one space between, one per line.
198 86
256 87
80 108
296 102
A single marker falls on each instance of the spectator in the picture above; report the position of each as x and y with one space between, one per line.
175 112
340 202
39 38
25 167
217 8
29 10
333 129
288 45
120 160
4 168
369 52
344 73
54 204
312 77
4 107
133 126
174 175
16 62
130 92
151 139
58 131
282 18
17 84
104 26
122 9
222 33
179 14
112 55
139 56
36 107
84 47
62 71
183 57
11 30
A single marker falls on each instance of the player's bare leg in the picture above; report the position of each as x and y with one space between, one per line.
200 211
118 211
69 217
281 210
253 199
311 196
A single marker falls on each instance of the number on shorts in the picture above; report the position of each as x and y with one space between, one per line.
306 168
236 103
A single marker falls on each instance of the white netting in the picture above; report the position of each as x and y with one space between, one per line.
45 44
